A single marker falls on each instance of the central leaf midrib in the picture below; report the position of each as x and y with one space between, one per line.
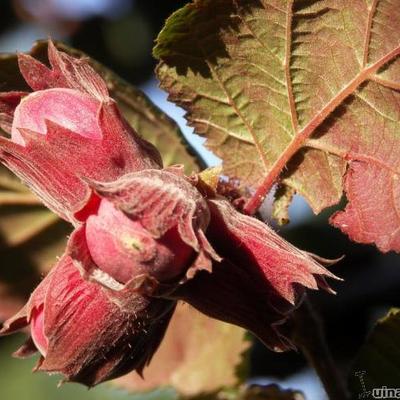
286 66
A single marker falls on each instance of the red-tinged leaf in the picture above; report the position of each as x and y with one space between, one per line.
296 93
189 361
373 212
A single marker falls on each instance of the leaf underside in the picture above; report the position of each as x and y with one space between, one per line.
305 93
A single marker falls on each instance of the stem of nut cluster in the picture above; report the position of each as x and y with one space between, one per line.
309 337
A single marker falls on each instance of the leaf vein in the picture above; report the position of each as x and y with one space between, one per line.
239 114
289 86
257 38
222 129
374 108
368 29
267 73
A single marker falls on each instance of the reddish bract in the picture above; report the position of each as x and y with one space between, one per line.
67 130
145 237
260 279
82 333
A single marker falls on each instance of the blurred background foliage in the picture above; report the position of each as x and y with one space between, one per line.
120 35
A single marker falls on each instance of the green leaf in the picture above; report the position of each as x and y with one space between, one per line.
378 363
198 356
297 93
